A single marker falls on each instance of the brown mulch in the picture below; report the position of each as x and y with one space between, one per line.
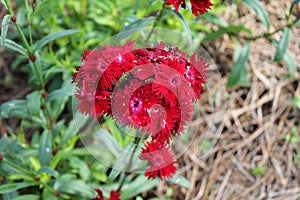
252 121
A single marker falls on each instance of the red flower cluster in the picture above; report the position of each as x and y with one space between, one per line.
113 195
150 89
198 6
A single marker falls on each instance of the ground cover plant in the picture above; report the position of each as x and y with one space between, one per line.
55 145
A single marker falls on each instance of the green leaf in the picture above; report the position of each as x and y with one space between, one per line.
137 186
292 6
259 170
4 28
82 167
16 108
13 46
282 45
65 91
184 23
27 197
134 27
110 142
296 101
53 36
45 148
290 62
11 187
121 162
260 10
225 30
69 185
48 170
239 73
212 18
74 127
4 3
34 102
180 180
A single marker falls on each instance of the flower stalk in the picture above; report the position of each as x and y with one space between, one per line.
136 141
157 20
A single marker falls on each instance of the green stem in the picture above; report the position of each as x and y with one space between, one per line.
268 34
157 20
38 76
136 141
10 11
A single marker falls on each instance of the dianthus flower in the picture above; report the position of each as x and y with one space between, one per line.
152 89
198 6
161 160
113 195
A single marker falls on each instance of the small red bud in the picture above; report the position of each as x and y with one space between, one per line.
2 180
44 95
57 193
37 178
1 157
14 19
32 58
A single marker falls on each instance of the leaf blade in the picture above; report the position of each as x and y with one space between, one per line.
184 23
14 46
53 36
281 46
45 148
260 10
11 187
134 27
239 73
292 6
4 28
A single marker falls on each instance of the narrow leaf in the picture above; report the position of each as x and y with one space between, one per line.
184 23
34 102
65 91
53 36
121 162
134 27
180 180
239 73
14 46
137 186
11 187
16 108
282 45
212 18
260 10
4 28
27 197
74 187
48 170
45 148
4 3
110 142
290 62
225 30
292 6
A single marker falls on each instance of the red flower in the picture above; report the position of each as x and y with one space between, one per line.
200 6
151 89
113 195
176 3
161 161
